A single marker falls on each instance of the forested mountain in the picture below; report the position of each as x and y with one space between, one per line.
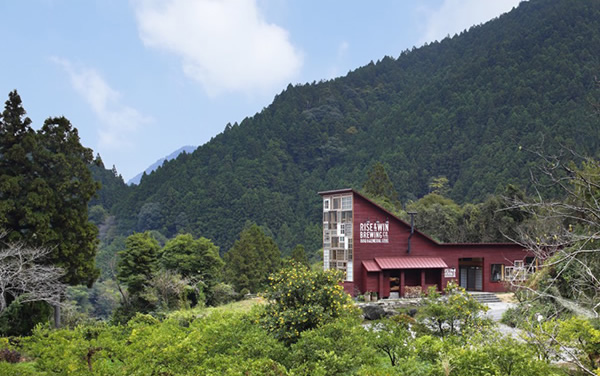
466 108
136 179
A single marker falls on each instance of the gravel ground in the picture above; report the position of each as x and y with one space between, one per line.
495 313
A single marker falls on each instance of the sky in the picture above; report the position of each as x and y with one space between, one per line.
142 78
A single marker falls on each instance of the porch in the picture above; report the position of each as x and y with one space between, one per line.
403 276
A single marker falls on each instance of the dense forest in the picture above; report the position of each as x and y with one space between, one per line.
468 108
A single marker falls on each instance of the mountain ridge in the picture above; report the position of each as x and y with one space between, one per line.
136 179
465 108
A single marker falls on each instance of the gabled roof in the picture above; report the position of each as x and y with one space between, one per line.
355 192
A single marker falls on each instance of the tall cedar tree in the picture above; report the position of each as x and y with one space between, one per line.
251 259
379 185
21 201
45 187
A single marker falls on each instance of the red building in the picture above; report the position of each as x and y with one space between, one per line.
381 253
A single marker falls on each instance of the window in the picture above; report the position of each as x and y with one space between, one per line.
347 216
496 272
347 229
518 263
326 204
347 203
336 203
335 242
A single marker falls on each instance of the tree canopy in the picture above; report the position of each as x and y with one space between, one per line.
45 187
251 259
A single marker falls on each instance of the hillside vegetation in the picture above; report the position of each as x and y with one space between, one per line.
467 108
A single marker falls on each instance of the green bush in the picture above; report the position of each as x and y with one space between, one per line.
334 348
300 299
20 318
455 313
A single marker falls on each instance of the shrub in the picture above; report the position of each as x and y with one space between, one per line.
454 313
300 299
223 293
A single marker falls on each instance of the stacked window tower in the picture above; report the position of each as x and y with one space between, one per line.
337 234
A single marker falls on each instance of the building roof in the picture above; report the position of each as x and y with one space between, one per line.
371 266
410 262
381 263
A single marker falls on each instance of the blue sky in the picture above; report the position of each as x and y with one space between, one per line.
141 78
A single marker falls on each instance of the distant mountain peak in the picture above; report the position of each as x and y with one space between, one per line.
136 179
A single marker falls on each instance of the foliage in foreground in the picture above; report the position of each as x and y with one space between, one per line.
218 341
301 299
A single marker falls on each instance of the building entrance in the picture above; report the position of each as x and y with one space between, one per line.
471 273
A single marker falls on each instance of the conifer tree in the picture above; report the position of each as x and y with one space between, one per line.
45 187
379 186
251 259
19 201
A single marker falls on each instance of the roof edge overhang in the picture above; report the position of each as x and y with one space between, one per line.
335 191
386 263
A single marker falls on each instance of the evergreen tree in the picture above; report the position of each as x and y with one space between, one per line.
64 163
21 194
379 186
137 266
251 259
45 188
299 255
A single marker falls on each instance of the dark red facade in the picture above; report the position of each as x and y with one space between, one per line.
382 262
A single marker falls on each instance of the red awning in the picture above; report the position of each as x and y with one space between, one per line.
371 266
410 263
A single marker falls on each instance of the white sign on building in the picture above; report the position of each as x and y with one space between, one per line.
374 232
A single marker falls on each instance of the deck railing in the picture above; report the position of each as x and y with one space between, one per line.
517 273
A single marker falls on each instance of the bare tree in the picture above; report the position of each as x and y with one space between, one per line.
564 233
23 275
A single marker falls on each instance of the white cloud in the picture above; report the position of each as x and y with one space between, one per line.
340 60
119 121
455 16
226 45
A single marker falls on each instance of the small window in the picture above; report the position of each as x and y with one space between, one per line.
347 229
335 242
336 203
496 272
347 216
326 204
518 263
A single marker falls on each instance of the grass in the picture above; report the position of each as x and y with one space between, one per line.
242 306
506 297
